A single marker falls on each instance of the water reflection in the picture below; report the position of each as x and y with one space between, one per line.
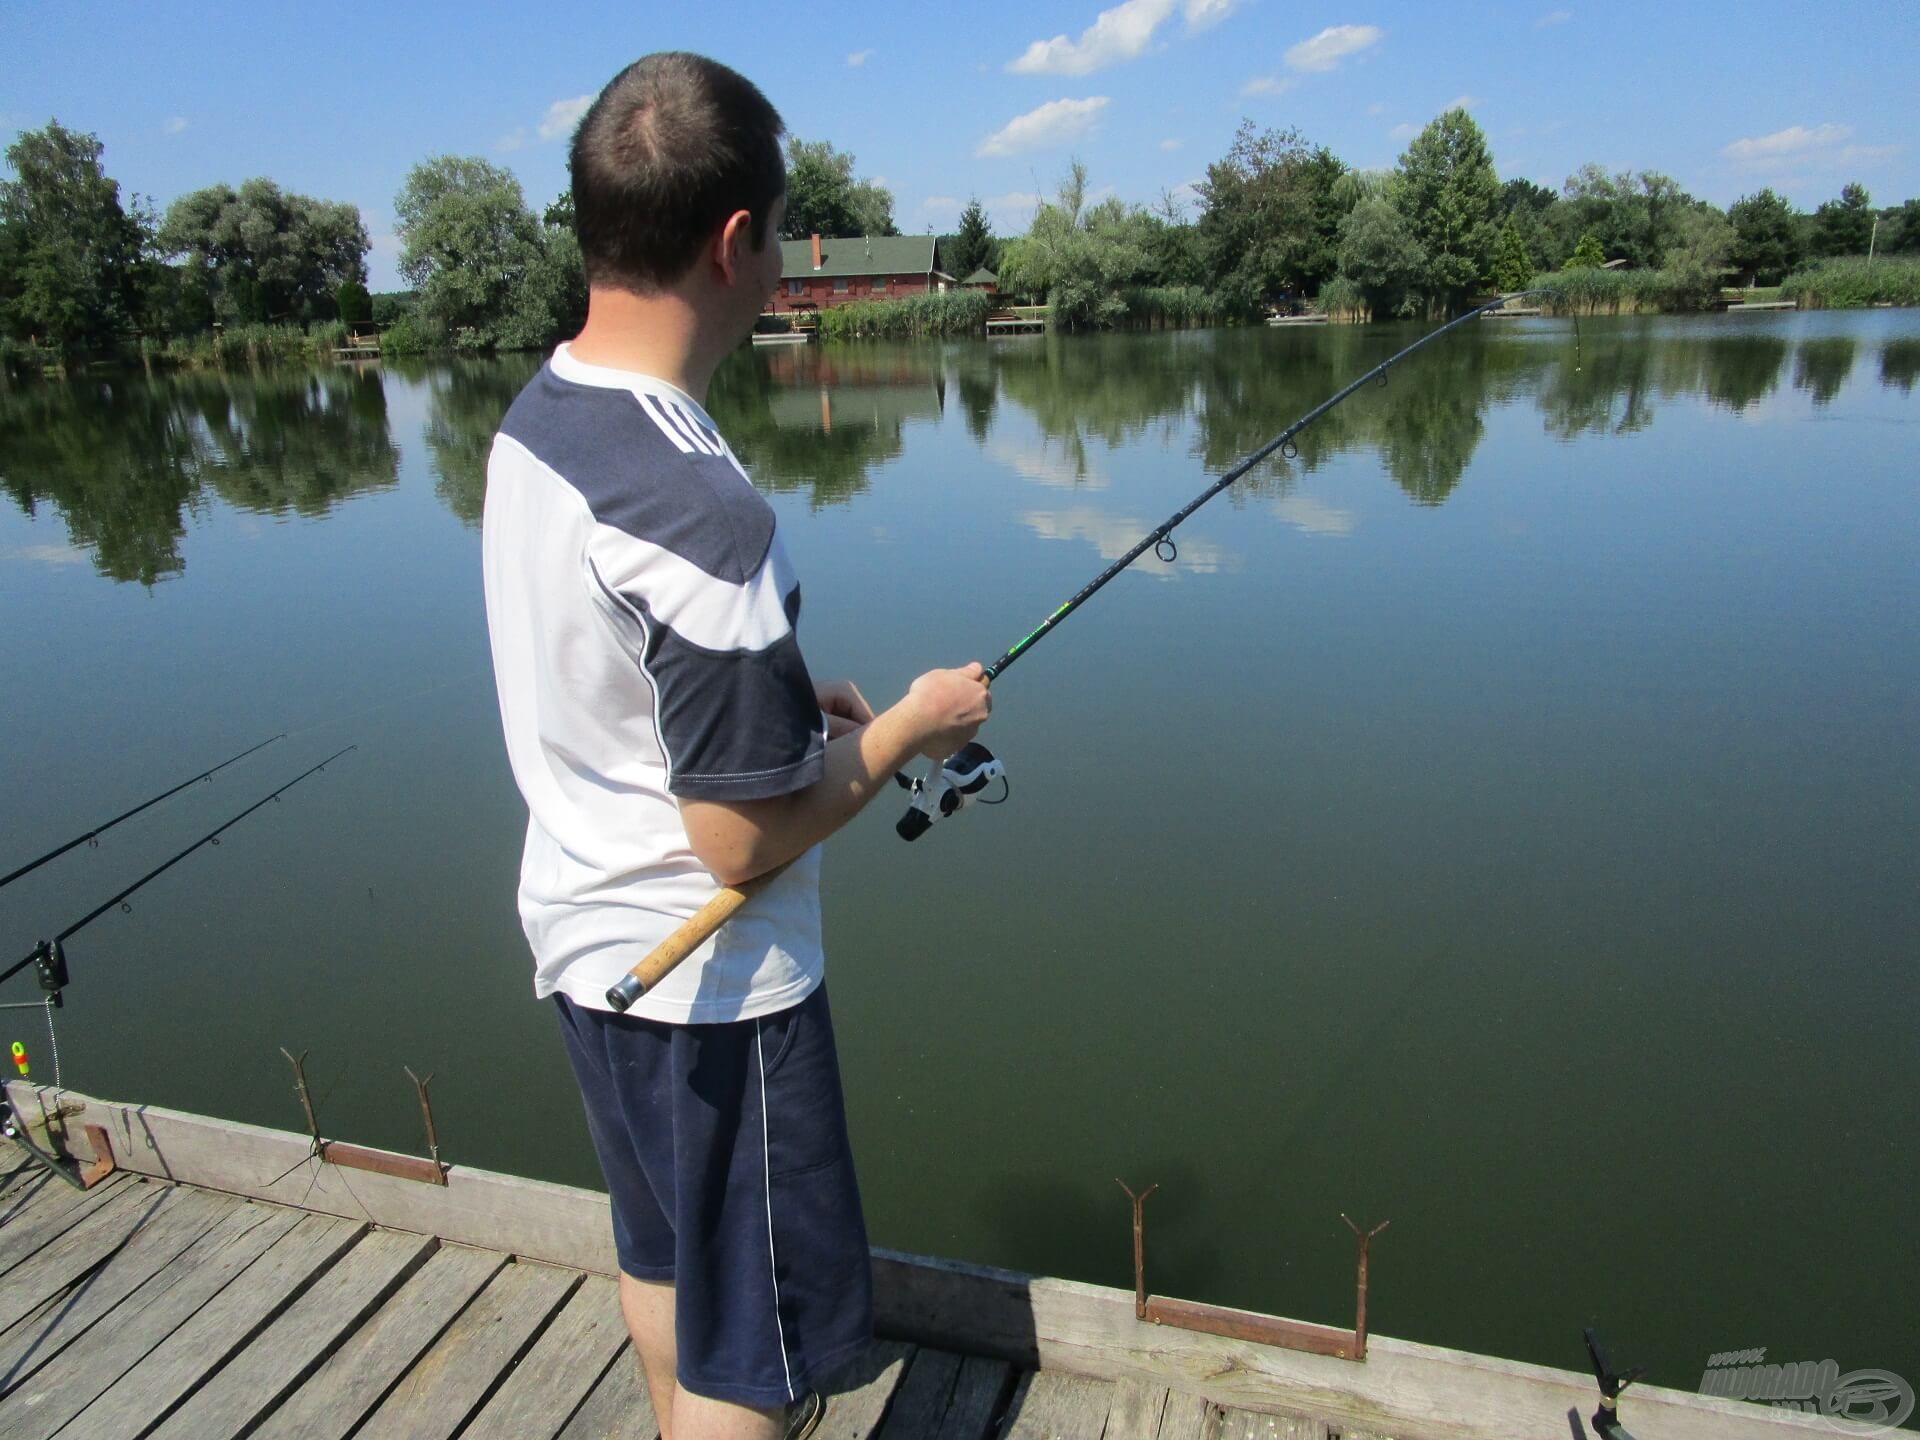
124 459
1900 363
820 419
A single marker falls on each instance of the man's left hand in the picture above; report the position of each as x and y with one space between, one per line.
844 706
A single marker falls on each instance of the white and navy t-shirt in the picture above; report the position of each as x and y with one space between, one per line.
643 617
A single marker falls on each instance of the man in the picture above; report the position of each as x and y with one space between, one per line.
667 737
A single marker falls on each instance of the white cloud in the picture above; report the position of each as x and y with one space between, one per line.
1114 535
512 140
1403 132
1058 122
859 58
562 116
1314 517
1012 210
1203 14
1122 33
1553 17
940 202
1794 140
1327 49
175 124
1379 107
1169 145
1269 85
1460 102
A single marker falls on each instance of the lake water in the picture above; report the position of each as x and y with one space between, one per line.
1500 819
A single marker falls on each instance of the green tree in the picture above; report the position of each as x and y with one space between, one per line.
1379 254
1900 229
1079 257
70 255
823 198
1766 241
1447 190
1512 266
1587 255
972 246
353 302
1843 226
1270 218
1697 261
487 272
265 254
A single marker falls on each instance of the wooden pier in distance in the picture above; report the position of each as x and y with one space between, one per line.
223 1282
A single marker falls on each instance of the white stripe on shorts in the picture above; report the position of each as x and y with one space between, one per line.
766 1169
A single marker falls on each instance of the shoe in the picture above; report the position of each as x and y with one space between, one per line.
804 1415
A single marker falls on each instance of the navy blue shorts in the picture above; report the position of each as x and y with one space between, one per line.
725 1153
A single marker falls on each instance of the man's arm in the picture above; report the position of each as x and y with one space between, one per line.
740 839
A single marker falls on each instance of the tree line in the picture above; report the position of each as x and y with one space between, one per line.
1279 221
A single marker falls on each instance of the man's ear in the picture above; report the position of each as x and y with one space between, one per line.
731 244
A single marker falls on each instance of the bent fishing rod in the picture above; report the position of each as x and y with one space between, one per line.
99 830
962 778
51 958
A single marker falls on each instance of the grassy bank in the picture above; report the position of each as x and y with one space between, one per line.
917 317
1175 307
1625 292
1853 282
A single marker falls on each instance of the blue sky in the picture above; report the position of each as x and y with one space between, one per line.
988 100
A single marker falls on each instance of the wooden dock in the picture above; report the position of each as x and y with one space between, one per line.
282 1296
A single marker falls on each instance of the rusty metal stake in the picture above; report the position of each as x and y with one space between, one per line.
306 1097
1243 1324
1139 1246
359 1157
1363 1241
426 1114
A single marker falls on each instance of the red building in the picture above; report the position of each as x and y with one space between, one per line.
821 273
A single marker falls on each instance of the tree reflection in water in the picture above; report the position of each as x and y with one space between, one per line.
125 459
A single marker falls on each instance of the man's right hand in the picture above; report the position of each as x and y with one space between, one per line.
950 706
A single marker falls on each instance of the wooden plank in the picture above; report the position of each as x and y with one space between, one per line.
276 1360
174 1368
548 1385
1051 1405
619 1407
532 1219
1033 1322
920 1404
189 1214
1185 1416
977 1395
355 1377
455 1377
51 1210
857 1398
1136 1410
57 1264
1251 1425
60 1390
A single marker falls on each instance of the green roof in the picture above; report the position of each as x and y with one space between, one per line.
982 276
858 255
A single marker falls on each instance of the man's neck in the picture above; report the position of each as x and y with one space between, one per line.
659 335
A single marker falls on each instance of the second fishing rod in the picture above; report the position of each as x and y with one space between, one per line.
966 776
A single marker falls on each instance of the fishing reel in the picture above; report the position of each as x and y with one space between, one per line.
958 781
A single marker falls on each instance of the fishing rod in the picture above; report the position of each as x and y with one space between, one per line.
99 830
961 778
51 958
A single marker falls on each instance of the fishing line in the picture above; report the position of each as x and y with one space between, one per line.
48 954
93 835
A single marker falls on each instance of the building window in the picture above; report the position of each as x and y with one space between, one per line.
840 286
796 287
879 284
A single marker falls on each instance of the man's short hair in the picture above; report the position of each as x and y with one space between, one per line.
674 145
